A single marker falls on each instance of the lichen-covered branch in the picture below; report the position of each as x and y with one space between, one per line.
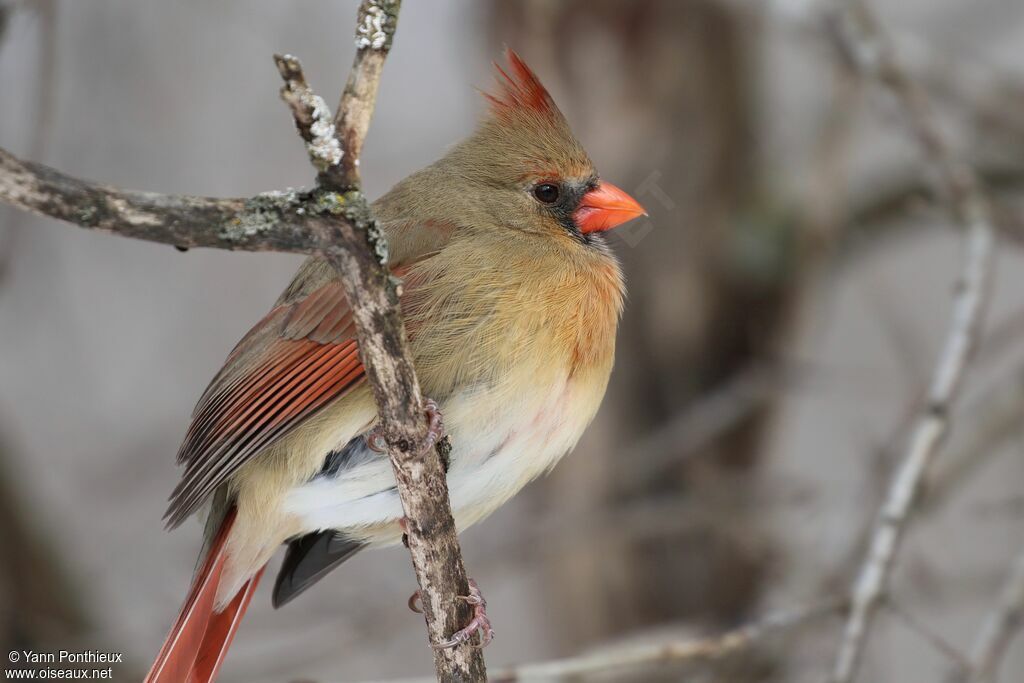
312 117
865 47
333 220
375 30
274 221
422 486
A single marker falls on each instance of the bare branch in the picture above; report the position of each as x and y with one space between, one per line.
866 48
630 656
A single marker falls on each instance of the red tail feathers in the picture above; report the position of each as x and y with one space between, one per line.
199 639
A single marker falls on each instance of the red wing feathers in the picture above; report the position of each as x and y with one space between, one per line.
298 359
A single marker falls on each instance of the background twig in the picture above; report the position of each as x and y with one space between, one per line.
862 42
1000 627
622 658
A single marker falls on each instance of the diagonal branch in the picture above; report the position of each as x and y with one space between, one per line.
866 48
334 221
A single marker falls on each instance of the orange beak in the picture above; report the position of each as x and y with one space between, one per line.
604 207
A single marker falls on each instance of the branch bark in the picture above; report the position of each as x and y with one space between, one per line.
422 487
333 220
864 45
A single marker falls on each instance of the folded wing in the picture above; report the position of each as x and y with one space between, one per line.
296 360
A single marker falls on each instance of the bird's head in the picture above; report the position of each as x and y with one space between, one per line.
524 167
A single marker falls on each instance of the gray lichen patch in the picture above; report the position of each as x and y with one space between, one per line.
282 198
372 31
358 212
375 238
98 209
352 205
328 202
312 115
87 215
270 212
324 148
262 213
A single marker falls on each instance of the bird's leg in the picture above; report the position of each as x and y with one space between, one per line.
479 623
435 431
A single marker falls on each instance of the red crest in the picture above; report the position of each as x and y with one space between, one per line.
520 91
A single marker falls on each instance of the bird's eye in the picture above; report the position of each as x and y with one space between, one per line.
546 192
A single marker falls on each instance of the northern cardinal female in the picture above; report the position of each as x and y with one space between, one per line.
511 299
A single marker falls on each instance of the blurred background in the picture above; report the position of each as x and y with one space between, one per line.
787 299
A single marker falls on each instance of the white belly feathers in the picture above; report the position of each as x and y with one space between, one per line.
511 442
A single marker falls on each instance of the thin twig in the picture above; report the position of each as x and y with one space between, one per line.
999 628
699 424
715 413
631 656
990 421
929 635
862 42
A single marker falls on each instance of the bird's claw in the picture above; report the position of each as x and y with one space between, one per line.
435 430
480 623
415 602
435 425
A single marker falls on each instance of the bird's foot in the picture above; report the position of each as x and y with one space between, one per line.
416 602
435 425
479 623
435 430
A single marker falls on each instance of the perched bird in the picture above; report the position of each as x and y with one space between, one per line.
511 299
